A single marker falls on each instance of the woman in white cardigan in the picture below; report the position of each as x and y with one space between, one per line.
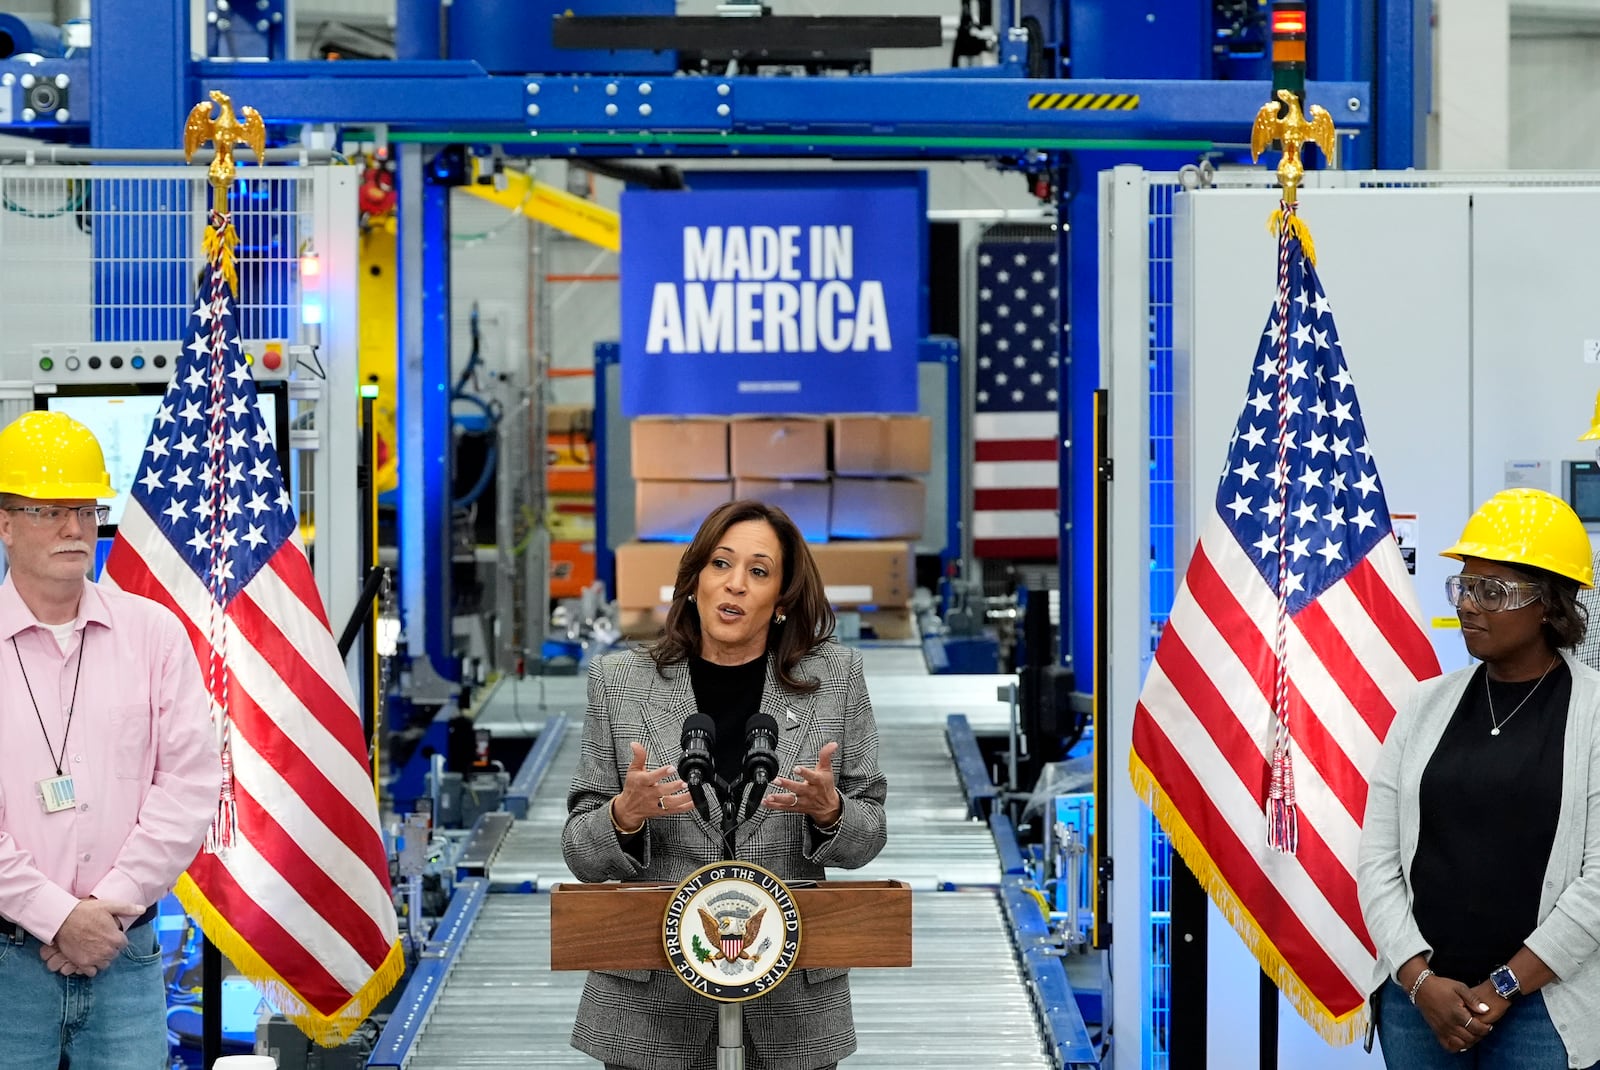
1479 872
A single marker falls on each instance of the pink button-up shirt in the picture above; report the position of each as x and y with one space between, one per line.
141 752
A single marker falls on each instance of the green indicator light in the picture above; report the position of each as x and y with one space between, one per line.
45 364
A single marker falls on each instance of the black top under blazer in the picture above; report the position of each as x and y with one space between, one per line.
650 1020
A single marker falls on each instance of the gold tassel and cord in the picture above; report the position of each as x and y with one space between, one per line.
218 248
1301 231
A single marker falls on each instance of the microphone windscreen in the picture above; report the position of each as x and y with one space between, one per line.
699 724
761 722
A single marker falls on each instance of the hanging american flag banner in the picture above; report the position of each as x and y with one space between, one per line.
1292 641
293 886
1017 470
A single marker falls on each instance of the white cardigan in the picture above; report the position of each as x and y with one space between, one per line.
1568 932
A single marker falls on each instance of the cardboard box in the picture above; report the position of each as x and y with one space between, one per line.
646 572
569 419
806 502
641 623
680 449
674 509
779 449
867 573
882 445
878 509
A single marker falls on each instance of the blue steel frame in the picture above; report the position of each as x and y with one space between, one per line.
426 553
1366 78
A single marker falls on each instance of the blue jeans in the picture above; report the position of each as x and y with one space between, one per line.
116 1020
1525 1039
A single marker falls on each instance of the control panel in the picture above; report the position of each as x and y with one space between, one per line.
148 362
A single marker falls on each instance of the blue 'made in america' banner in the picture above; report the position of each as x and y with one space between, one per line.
762 297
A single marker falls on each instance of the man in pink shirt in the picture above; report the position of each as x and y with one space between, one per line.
109 773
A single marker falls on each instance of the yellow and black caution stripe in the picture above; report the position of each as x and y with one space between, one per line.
1083 101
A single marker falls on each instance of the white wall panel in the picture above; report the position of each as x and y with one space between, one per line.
1533 308
1553 78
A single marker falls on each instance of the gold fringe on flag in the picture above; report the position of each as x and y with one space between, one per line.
1301 230
218 247
326 1030
1337 1030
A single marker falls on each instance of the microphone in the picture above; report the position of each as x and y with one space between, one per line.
760 757
697 767
760 749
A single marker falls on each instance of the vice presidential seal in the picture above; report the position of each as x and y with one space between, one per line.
731 931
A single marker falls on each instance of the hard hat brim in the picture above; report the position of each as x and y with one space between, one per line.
1584 577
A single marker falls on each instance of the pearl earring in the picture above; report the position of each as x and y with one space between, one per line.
780 618
691 598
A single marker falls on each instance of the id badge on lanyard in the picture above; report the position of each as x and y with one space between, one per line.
57 793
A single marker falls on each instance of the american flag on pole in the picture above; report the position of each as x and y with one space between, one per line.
1262 716
294 883
1017 471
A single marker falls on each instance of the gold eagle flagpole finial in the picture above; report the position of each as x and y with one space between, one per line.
225 132
1293 130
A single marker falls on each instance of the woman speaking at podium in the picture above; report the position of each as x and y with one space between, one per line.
748 635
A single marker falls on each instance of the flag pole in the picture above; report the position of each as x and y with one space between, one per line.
1283 123
224 132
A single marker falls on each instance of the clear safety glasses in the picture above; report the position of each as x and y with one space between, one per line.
55 515
1492 595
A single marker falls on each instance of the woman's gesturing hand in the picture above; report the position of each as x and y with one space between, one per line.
648 793
811 791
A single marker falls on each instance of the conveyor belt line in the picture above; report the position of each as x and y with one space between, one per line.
525 785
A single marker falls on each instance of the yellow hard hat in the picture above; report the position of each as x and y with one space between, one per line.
1528 527
46 455
1594 424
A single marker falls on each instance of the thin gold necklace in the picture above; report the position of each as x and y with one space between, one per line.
1495 731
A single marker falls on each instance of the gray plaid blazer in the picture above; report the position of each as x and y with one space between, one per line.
651 1020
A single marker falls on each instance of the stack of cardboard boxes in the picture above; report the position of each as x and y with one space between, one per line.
846 481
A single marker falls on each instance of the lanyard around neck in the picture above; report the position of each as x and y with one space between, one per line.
76 676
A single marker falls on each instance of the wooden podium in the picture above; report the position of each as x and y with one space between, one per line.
619 927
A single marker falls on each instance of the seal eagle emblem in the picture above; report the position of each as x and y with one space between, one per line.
731 931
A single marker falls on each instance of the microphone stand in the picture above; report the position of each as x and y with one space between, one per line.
730 1016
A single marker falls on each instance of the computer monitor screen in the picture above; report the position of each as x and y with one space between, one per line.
1583 490
121 417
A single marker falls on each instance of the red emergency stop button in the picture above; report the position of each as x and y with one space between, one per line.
272 359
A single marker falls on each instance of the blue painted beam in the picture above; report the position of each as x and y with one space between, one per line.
139 75
531 774
459 917
1005 845
454 95
431 94
980 790
410 1016
1402 92
426 440
1066 1035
